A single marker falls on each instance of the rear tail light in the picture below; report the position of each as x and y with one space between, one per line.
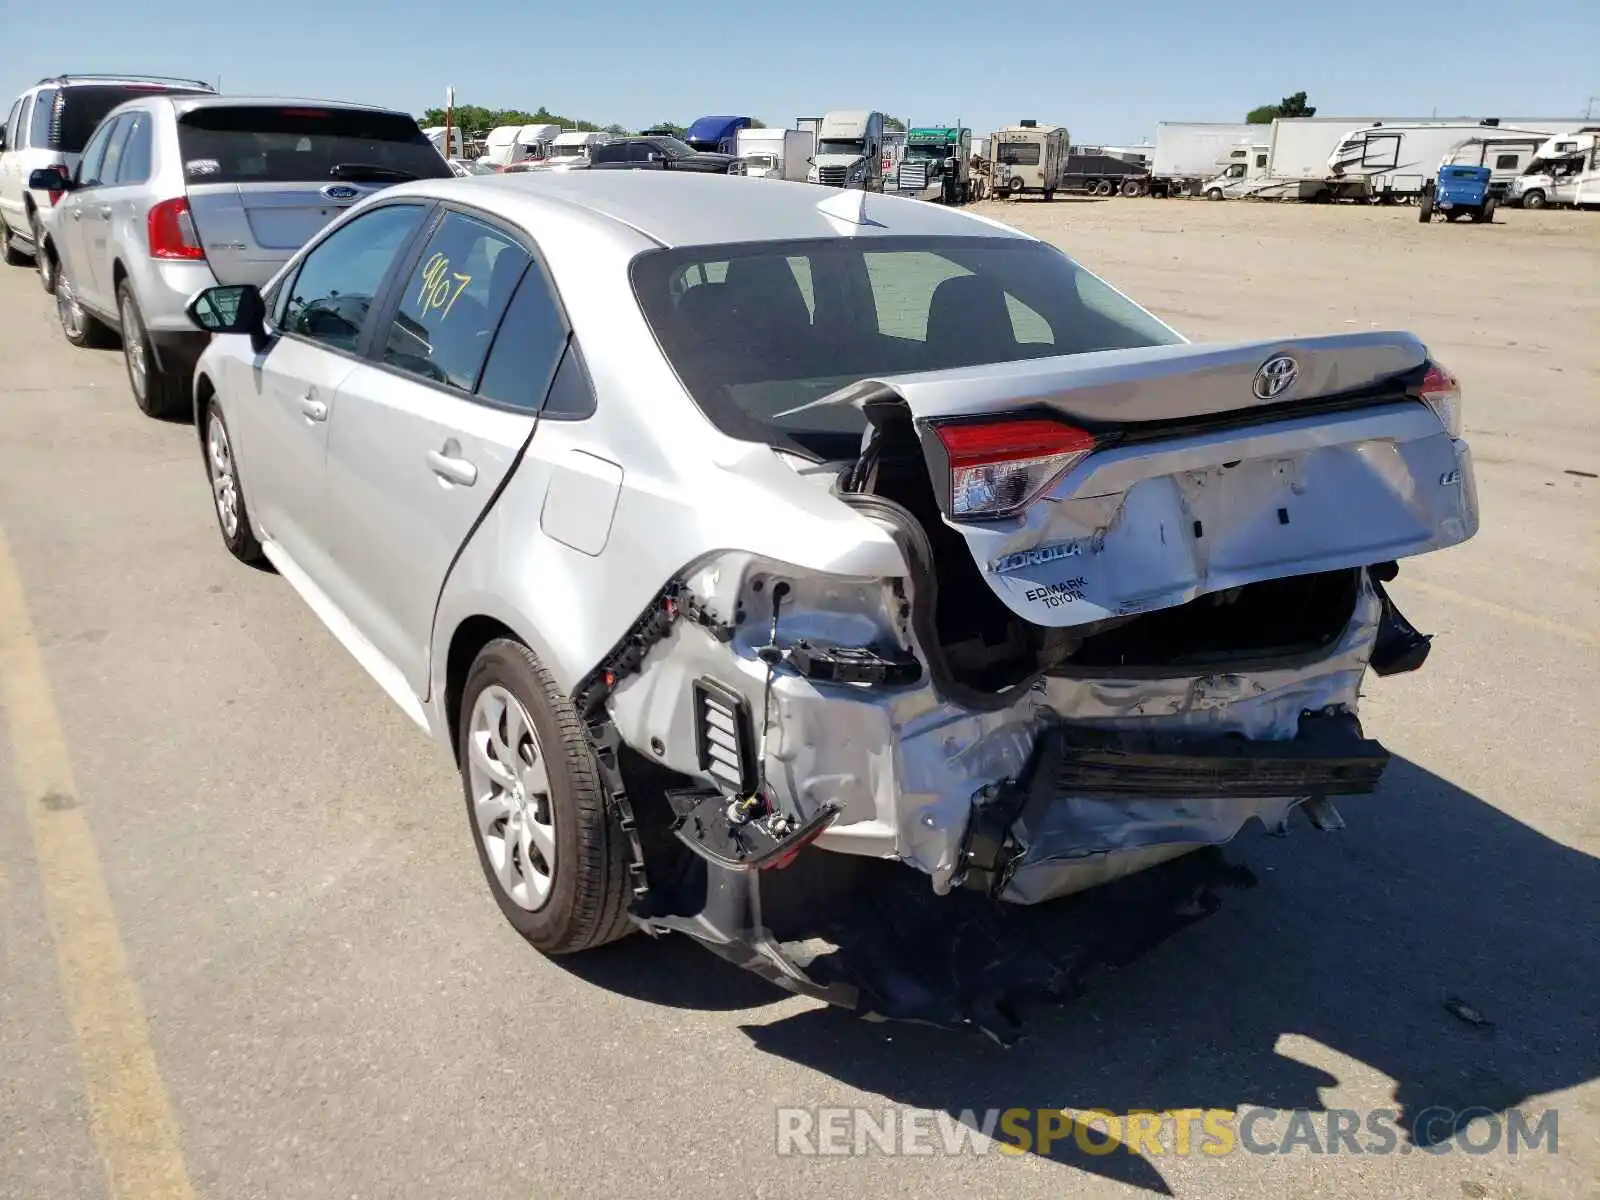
1000 467
1441 391
171 231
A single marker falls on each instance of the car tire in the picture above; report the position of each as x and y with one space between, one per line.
1534 199
13 256
77 325
158 393
550 802
44 259
227 493
1485 215
1425 208
1214 194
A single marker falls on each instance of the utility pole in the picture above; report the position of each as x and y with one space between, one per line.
1588 109
449 120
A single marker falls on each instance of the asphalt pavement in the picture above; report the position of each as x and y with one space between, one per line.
246 951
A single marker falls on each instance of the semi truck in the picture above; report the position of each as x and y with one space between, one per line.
717 135
937 164
1028 159
773 153
509 144
849 151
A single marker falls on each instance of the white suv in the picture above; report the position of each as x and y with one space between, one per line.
48 126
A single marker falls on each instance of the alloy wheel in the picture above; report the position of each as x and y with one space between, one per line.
133 347
511 802
224 485
73 320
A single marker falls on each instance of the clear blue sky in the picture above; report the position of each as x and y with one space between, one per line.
1107 71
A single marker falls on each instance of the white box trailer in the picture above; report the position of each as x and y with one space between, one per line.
1189 152
774 153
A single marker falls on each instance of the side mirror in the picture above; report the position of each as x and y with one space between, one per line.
49 179
236 308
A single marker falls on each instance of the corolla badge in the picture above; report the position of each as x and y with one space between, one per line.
1036 557
342 193
1275 376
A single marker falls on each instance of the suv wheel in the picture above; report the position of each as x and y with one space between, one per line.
158 393
1533 199
77 326
222 469
43 258
13 256
554 856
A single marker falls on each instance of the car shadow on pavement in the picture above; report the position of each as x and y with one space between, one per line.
1435 940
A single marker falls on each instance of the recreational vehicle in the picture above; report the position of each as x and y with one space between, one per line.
1564 170
1028 158
1396 161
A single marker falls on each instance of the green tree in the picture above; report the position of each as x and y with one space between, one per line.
1289 106
477 120
894 124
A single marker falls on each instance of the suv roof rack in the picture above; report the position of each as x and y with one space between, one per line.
75 77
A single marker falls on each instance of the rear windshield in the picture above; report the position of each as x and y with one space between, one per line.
1020 154
758 329
80 108
267 144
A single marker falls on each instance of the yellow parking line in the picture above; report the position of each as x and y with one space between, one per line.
133 1123
1515 615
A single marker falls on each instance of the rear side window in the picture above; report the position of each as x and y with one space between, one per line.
135 164
24 119
452 302
44 104
79 109
527 347
114 148
262 143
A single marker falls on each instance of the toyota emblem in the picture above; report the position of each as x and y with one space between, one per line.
1276 376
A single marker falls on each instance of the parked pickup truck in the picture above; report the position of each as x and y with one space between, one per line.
656 154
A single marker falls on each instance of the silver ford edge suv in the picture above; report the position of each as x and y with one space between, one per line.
175 194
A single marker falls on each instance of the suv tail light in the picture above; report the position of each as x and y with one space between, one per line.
171 231
999 467
1441 391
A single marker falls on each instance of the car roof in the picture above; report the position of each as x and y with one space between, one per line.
187 102
694 209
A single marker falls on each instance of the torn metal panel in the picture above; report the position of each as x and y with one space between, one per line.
905 766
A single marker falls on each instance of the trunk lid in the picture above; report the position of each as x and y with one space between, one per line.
263 178
1195 469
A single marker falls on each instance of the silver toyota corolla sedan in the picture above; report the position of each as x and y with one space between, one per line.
858 585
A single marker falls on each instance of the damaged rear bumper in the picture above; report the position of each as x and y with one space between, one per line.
1088 794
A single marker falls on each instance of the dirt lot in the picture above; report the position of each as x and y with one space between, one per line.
245 950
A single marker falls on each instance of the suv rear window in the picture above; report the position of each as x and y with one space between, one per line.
261 143
79 108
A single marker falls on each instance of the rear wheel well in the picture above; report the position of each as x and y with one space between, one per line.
203 391
470 637
118 274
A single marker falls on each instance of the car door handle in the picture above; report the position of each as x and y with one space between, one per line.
314 409
77 214
447 466
105 212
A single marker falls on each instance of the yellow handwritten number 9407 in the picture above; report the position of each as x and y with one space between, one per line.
441 287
